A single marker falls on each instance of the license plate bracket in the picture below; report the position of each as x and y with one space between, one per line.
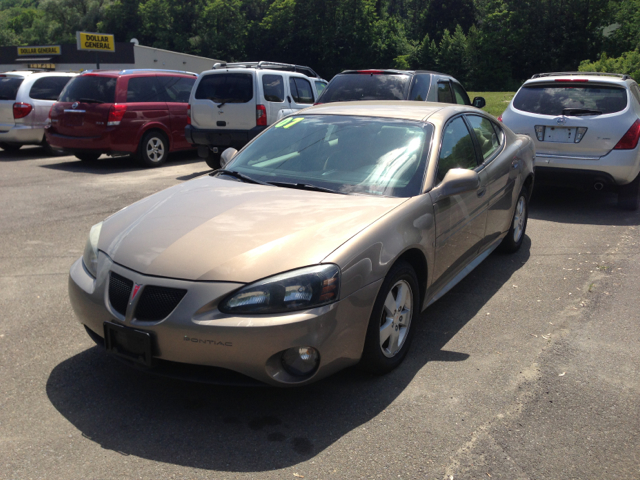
129 343
560 134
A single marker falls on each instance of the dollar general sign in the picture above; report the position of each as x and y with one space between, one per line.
44 50
99 42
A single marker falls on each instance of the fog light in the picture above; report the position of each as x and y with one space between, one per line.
300 361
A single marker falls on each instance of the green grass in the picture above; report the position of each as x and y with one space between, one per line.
496 101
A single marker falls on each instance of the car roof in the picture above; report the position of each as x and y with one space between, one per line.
397 109
138 71
392 71
615 78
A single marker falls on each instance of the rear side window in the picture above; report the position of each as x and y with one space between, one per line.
485 134
320 86
273 87
90 88
226 88
48 88
356 86
573 99
143 90
176 89
461 96
444 93
457 149
300 90
9 87
420 88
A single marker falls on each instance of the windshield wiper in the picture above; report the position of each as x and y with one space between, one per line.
306 186
238 175
90 100
580 111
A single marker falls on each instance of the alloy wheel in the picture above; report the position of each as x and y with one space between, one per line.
396 318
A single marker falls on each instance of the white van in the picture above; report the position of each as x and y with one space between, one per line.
234 102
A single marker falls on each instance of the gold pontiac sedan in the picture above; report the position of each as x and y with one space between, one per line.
314 248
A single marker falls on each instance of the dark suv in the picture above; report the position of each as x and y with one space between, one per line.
418 85
130 112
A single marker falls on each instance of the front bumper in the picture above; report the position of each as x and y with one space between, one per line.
220 137
620 166
197 333
21 134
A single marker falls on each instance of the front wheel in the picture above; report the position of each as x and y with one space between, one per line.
629 195
154 149
389 332
513 241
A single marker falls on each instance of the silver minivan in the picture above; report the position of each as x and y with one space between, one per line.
234 102
586 128
25 100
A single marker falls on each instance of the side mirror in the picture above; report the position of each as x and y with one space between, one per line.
458 180
479 102
227 156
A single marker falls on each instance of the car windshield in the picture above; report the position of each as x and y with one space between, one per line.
360 86
346 154
90 88
577 99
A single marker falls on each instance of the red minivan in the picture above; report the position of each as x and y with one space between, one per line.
126 112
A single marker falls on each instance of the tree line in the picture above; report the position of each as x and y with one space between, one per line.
488 45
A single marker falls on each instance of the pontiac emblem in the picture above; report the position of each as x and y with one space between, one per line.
136 288
74 105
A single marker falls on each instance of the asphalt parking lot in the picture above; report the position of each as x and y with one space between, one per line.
528 369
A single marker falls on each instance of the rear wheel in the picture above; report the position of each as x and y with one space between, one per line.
153 149
10 147
513 241
88 157
629 195
389 332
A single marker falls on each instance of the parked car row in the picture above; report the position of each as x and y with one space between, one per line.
331 220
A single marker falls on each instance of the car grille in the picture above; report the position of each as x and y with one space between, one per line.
157 303
119 292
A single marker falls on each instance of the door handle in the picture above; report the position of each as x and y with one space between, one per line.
480 192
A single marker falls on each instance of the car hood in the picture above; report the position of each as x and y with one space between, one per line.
215 229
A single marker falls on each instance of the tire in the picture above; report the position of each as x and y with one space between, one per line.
10 147
389 332
47 148
213 160
513 241
87 157
153 149
629 195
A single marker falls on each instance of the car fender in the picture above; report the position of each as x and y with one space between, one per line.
154 126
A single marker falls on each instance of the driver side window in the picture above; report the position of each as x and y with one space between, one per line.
457 150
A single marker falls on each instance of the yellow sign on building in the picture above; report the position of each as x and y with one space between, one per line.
43 50
98 42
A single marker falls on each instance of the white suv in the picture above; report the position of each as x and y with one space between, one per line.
585 127
25 100
234 102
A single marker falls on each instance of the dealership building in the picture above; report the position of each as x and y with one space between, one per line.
127 55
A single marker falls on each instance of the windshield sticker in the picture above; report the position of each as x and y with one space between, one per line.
294 122
284 122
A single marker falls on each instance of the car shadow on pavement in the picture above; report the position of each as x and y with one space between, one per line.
256 429
575 206
25 153
108 165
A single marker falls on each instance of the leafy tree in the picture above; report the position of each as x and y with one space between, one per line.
628 62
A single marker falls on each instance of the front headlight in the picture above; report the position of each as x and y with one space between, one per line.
90 255
299 289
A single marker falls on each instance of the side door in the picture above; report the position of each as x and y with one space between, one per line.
500 173
176 91
301 93
460 219
145 103
273 95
